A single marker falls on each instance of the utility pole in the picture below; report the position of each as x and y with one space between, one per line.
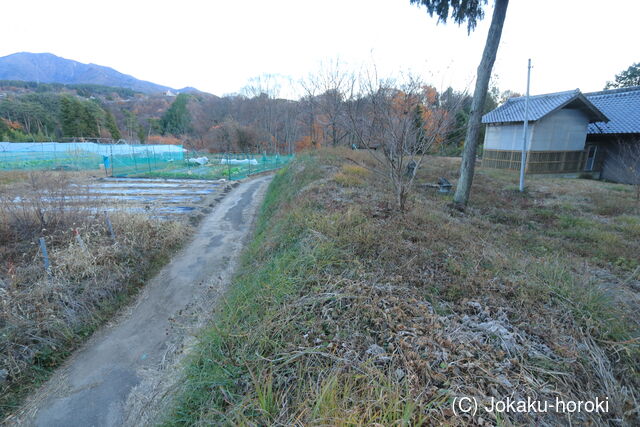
523 157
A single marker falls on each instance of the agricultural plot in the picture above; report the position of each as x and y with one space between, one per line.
66 267
155 198
159 198
197 166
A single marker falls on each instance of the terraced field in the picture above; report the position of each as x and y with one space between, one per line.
158 197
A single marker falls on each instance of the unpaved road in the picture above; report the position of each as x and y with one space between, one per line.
118 372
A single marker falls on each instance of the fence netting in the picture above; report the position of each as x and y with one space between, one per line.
136 160
229 166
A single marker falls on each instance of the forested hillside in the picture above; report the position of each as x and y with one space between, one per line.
258 120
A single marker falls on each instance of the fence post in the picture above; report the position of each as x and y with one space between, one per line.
109 226
133 155
45 256
111 153
79 239
155 159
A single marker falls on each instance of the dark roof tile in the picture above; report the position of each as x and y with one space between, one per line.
539 106
621 106
512 111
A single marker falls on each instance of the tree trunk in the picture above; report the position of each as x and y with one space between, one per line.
467 167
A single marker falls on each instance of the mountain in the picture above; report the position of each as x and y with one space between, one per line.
49 68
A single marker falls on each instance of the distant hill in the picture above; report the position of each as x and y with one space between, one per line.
49 68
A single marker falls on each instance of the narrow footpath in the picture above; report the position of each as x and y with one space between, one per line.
126 372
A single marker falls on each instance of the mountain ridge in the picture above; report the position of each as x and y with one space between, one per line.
49 68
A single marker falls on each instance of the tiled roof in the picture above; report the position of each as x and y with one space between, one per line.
512 111
539 106
621 106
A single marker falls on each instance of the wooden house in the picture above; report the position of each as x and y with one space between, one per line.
616 144
556 136
569 133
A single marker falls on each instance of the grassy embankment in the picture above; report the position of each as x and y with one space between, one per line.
44 317
345 312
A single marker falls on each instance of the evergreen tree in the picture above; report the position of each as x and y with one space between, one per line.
111 126
88 118
177 120
78 119
627 78
4 130
471 11
69 117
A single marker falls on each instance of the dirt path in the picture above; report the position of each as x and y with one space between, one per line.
125 372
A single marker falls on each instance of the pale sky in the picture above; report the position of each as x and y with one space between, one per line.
217 46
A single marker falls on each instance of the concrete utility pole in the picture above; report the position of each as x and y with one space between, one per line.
523 159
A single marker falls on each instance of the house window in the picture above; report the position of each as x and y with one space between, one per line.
591 157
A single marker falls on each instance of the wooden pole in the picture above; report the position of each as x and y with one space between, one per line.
45 256
109 226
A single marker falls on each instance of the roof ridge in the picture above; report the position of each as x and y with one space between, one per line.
614 91
565 92
541 105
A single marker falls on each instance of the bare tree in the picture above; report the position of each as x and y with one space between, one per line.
264 91
398 125
326 89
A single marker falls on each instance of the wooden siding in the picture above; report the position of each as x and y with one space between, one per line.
537 161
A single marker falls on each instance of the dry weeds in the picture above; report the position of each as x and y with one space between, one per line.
359 315
43 317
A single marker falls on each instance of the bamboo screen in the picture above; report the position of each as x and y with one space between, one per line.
537 161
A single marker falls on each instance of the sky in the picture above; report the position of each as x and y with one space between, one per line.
218 46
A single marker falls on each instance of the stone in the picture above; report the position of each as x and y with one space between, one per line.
375 350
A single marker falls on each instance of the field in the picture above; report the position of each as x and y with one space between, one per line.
141 161
45 315
346 312
217 166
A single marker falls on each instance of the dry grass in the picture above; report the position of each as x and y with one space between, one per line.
360 316
43 317
351 175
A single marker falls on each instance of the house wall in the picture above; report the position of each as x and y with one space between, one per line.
506 137
555 144
620 157
563 130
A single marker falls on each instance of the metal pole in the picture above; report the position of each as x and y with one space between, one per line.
523 159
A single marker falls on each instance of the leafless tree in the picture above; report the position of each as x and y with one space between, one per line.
264 91
326 92
398 125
